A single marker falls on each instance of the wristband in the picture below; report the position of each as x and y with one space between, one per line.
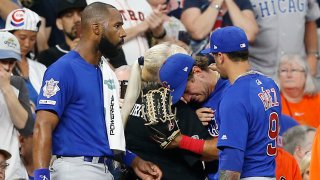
191 144
41 174
129 157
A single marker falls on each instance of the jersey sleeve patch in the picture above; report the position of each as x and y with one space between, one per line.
50 88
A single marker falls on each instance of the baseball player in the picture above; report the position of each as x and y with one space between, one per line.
249 110
70 110
138 18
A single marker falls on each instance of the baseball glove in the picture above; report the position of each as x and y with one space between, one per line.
160 120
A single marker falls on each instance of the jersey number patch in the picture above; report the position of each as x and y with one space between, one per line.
273 133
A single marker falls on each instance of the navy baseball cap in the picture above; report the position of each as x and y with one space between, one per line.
66 5
174 74
227 39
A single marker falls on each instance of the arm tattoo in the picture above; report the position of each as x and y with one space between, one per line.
229 175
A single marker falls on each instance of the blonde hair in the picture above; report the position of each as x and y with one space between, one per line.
149 71
310 86
305 163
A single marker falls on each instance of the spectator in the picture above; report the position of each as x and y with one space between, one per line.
4 156
68 21
201 17
24 24
15 117
278 34
138 18
173 26
298 141
26 143
305 166
286 166
298 91
315 157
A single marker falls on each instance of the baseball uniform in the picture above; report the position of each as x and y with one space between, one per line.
72 88
248 116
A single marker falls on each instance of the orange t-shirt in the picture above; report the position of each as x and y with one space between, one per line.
305 112
287 167
315 157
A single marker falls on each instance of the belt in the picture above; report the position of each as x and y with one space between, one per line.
92 159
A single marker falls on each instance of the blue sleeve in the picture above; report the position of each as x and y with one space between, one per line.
228 155
233 120
129 157
56 89
286 122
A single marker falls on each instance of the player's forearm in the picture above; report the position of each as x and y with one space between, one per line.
42 139
18 114
244 19
229 175
210 150
311 43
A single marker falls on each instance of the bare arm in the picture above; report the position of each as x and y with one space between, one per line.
6 7
229 175
198 24
42 138
244 19
311 42
136 30
18 114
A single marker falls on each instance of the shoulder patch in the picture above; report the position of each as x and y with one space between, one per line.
50 88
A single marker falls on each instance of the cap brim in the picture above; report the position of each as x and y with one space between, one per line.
206 51
6 154
177 93
7 54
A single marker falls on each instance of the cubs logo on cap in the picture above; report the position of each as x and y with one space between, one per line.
22 19
17 18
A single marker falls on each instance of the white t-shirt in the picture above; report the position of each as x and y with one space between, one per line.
9 141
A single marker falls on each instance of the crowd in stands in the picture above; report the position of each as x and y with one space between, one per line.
283 44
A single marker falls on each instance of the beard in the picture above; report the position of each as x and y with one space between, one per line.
107 49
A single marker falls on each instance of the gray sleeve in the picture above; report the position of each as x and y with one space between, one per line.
313 11
23 98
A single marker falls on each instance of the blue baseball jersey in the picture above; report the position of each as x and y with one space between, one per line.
72 88
213 102
249 118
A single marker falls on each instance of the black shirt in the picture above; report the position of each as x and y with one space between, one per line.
174 163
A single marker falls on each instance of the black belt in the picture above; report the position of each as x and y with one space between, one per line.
101 159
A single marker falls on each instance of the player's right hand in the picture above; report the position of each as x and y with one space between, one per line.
205 115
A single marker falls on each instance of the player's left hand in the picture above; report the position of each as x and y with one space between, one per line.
146 170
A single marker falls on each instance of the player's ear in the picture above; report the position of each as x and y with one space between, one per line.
96 29
196 69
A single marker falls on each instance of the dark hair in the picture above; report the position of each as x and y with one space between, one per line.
238 55
202 62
